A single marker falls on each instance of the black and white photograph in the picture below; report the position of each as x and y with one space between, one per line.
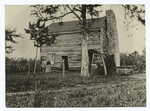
75 55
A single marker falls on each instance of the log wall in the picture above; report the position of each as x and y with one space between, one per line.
69 45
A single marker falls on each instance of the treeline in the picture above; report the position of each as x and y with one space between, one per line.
134 60
13 65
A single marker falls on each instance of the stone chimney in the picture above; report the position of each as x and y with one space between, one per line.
112 35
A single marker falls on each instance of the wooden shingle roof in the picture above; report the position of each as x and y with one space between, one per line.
74 25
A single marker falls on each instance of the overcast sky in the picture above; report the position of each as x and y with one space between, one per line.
19 17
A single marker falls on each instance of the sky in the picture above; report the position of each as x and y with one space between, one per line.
18 16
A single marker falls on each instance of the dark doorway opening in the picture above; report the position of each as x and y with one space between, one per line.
65 58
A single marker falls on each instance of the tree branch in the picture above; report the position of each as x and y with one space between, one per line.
74 13
76 9
57 17
138 15
40 14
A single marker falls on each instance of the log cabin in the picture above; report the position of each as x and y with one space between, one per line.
103 38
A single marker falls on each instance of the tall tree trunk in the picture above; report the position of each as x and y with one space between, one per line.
35 61
85 58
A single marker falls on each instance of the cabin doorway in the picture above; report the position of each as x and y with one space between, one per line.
65 58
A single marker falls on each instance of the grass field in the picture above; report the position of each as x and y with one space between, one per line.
75 91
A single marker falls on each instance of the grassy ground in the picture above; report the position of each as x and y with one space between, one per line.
95 91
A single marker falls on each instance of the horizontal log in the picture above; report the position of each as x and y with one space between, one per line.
76 52
93 30
66 49
73 64
77 44
72 40
93 46
56 64
57 61
55 49
62 43
74 61
72 44
68 37
43 54
94 38
89 42
63 53
76 40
